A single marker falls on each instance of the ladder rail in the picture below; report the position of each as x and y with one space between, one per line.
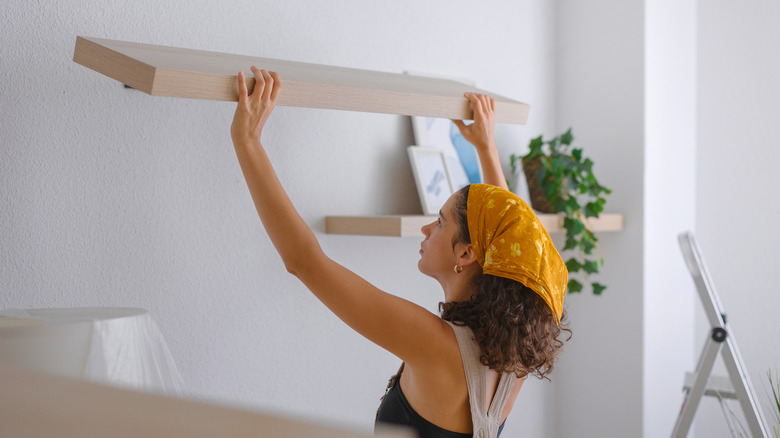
701 278
693 396
744 388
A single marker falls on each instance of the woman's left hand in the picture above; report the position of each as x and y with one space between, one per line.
254 109
480 133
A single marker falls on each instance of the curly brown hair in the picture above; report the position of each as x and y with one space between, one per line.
514 327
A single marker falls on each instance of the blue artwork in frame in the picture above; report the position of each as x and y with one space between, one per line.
431 177
461 157
467 154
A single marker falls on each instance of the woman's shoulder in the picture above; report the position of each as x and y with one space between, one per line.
442 356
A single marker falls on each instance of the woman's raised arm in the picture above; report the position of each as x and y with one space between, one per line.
287 230
401 327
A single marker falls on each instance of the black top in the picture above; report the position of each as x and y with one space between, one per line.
396 409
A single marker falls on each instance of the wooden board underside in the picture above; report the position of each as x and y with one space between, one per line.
177 72
396 226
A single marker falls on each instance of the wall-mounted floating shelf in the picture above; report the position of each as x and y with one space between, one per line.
197 74
177 72
409 225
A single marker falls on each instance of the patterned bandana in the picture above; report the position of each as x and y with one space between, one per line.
510 242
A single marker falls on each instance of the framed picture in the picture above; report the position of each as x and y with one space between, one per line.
431 176
461 156
462 160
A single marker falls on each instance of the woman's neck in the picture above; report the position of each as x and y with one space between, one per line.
460 287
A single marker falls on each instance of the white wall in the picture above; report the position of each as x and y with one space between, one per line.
110 197
669 192
737 205
600 94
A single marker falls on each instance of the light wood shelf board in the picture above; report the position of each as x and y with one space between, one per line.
409 225
178 72
397 226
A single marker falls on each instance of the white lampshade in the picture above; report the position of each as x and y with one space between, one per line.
117 346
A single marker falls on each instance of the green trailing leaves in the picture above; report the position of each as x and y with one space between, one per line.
574 286
567 137
594 208
573 226
571 243
567 180
573 265
536 145
591 266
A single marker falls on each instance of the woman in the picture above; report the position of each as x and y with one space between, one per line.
500 273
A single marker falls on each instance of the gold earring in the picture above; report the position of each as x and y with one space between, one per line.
458 268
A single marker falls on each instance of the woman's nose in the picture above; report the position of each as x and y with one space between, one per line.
426 229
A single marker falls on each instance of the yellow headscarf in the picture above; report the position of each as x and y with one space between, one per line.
509 241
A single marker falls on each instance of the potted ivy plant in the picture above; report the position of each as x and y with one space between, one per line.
560 180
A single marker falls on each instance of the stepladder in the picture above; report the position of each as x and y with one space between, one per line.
720 341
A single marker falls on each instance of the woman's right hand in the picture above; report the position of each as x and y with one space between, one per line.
480 133
254 109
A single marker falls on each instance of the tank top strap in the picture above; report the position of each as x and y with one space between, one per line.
486 421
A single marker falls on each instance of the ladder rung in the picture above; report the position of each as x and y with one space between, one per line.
716 386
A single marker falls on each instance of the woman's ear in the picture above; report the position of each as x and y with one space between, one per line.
465 254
